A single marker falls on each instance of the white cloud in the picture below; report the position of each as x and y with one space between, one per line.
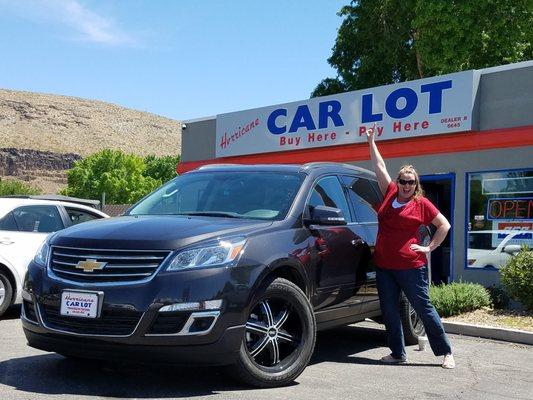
83 24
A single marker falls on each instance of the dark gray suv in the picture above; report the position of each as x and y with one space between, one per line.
226 265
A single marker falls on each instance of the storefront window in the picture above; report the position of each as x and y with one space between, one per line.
500 217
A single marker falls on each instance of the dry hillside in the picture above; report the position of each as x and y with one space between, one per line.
45 126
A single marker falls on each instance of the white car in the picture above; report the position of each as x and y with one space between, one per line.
24 224
493 249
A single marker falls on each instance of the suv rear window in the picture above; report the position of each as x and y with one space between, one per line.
363 196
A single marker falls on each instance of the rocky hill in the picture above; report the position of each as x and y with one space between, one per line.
41 135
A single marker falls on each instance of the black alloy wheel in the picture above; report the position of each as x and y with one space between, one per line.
279 336
411 322
273 332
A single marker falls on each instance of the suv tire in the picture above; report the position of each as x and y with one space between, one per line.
411 323
279 338
6 293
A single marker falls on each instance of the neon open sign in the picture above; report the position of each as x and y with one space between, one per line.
508 209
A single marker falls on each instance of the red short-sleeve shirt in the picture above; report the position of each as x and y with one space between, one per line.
398 230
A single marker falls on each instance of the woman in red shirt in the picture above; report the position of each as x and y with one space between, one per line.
400 259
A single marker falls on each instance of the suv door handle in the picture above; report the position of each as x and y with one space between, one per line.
6 241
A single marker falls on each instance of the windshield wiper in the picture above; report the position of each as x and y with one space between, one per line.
213 214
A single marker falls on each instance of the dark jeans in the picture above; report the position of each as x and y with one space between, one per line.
414 283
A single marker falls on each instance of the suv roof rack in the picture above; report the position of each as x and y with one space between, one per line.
317 164
56 197
207 166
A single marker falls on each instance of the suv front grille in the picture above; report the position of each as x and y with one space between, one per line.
110 323
105 265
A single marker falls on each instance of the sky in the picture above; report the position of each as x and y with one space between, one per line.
182 59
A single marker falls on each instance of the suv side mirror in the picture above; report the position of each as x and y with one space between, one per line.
323 215
512 249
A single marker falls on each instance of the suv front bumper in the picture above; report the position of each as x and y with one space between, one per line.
131 325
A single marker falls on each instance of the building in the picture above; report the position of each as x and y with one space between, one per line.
469 134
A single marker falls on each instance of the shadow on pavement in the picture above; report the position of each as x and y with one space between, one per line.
341 344
12 312
53 374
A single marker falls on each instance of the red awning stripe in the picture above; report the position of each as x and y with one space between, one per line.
416 146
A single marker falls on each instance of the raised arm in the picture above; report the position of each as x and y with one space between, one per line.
377 161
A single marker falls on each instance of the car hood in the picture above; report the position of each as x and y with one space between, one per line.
154 232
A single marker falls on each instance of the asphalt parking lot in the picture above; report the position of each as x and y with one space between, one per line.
344 366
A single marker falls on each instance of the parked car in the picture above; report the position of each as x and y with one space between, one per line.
25 222
493 249
225 265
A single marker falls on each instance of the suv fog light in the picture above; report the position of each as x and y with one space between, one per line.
202 305
201 324
28 311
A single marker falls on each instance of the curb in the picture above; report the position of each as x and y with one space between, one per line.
489 332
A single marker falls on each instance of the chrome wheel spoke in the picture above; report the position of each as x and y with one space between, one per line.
275 351
254 327
412 312
268 312
287 337
282 319
258 348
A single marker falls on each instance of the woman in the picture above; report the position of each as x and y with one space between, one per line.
400 260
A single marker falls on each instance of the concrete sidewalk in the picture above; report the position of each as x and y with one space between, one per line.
489 332
479 331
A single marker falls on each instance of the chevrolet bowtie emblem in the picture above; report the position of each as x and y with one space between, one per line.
90 265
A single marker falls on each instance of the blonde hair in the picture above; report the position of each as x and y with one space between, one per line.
409 169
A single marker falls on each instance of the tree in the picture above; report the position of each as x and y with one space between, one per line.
15 187
163 168
120 176
388 41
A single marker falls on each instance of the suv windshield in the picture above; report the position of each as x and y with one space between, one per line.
237 194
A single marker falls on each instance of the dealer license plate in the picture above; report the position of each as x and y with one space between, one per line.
79 304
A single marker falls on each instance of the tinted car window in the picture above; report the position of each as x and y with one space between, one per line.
7 223
242 194
78 216
482 240
363 196
328 192
38 219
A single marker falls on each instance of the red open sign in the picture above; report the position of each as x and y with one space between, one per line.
510 208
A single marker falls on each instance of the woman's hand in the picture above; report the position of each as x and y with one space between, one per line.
420 249
370 133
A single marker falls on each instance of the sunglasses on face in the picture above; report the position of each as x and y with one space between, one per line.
406 182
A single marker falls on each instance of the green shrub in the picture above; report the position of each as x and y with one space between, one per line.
161 168
120 176
15 187
458 297
498 297
517 277
124 178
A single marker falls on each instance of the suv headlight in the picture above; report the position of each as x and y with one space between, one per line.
224 253
42 255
